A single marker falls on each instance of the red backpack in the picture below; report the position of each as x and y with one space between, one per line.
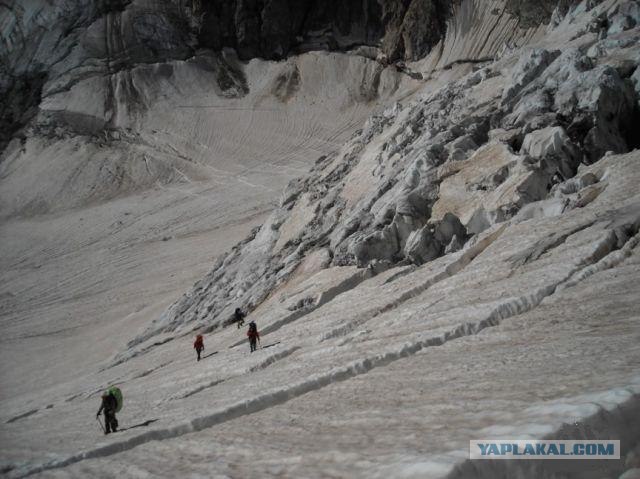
199 342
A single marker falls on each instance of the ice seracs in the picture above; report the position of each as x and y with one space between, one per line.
463 264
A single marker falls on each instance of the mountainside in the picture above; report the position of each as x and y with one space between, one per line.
453 254
140 157
48 49
421 179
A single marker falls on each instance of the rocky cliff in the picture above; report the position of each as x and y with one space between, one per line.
48 49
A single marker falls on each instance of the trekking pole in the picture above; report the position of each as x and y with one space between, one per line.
101 426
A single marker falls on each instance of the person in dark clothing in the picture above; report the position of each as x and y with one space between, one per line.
198 345
253 335
109 404
239 317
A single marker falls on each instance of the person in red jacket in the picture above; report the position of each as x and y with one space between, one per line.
253 335
199 345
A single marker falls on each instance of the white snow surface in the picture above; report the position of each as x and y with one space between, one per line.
532 325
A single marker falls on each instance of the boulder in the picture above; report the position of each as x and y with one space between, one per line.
537 98
460 148
480 220
433 240
529 67
448 228
534 105
630 8
625 17
404 225
553 144
380 245
466 185
422 246
619 23
607 100
454 245
506 136
541 209
577 183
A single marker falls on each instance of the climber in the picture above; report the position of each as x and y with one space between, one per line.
253 335
239 317
110 406
198 345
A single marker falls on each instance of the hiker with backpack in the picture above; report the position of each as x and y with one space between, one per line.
111 403
239 316
253 335
198 345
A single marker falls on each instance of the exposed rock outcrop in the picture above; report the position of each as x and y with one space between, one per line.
534 13
274 29
49 49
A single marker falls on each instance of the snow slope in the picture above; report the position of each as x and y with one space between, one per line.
391 377
123 222
464 266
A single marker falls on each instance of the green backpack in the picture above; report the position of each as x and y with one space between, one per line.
117 394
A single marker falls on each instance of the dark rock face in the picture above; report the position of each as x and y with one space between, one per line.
18 103
107 36
532 14
273 29
48 48
412 27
